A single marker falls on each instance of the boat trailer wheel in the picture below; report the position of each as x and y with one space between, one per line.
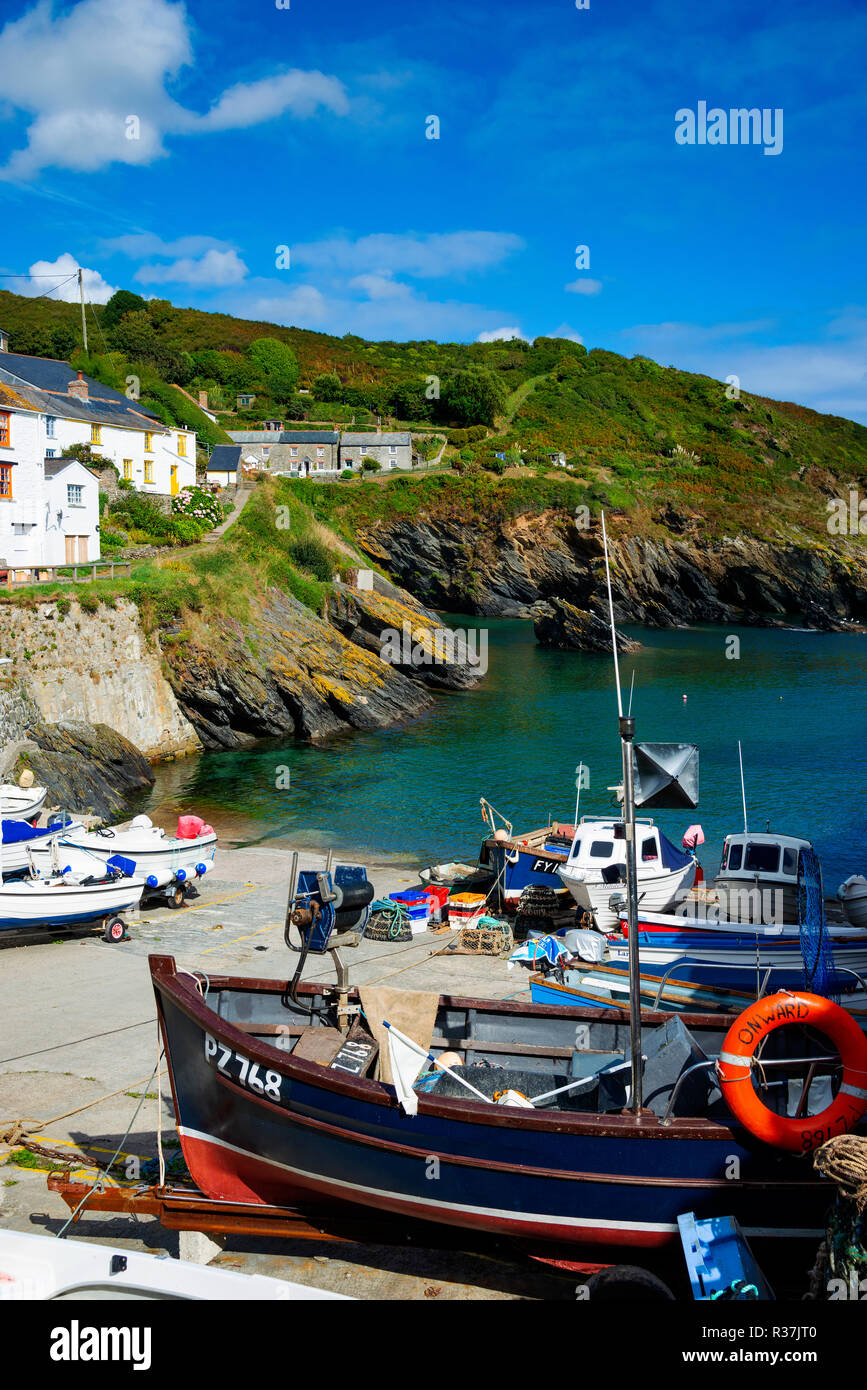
176 897
114 930
627 1284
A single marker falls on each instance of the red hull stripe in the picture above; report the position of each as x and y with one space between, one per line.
229 1173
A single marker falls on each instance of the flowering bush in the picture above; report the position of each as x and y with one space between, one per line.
201 506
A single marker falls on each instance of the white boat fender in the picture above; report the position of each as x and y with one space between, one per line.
152 881
181 875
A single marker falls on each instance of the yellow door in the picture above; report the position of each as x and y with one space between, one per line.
175 488
70 549
82 549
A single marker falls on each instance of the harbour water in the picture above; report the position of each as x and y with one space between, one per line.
411 793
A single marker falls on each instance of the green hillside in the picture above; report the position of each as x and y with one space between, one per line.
635 434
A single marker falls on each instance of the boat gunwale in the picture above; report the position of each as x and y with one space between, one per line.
186 996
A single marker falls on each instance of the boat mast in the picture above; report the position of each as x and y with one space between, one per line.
743 792
626 725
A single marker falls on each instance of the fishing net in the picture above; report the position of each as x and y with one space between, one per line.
820 976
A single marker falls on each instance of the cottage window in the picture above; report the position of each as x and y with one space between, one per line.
96 434
294 451
51 453
320 452
4 429
5 479
127 470
50 424
149 442
74 495
149 471
182 445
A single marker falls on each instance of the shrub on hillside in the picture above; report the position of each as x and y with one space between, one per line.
201 506
371 465
313 556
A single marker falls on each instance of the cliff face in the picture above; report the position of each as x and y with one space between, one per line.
288 671
221 684
513 567
97 668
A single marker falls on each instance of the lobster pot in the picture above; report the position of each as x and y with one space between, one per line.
486 937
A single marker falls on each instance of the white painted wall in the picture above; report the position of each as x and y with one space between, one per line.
149 469
31 531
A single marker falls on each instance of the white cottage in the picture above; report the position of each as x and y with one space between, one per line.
49 508
77 409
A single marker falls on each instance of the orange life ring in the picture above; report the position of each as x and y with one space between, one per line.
734 1070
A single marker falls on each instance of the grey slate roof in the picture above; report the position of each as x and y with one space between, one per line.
50 378
55 466
224 458
284 436
355 441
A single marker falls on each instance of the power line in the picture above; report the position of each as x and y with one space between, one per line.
45 295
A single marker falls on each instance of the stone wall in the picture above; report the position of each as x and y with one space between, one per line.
97 668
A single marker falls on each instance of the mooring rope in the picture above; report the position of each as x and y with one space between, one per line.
844 1161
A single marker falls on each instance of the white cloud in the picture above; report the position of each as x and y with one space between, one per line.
565 331
379 286
494 335
251 103
92 77
214 268
96 290
585 286
430 256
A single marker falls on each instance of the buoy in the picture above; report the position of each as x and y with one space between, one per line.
684 699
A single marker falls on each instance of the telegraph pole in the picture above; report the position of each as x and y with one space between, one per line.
83 318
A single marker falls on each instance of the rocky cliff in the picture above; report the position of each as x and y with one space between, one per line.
670 575
287 671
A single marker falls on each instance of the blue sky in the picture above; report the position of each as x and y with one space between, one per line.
260 127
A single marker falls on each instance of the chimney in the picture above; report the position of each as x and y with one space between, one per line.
4 340
203 399
78 388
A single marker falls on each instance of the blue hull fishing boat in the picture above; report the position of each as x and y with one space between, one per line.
261 1125
548 1124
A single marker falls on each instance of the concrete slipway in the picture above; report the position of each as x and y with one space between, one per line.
77 1023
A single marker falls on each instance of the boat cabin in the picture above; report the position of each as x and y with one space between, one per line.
599 848
766 856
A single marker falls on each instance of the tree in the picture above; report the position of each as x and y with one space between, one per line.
409 401
63 340
327 387
121 302
134 336
160 312
473 395
278 363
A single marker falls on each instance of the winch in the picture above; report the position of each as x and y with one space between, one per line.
334 902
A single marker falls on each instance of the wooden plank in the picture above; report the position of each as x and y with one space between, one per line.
318 1045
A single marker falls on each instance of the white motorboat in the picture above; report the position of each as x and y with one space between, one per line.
68 900
36 1267
595 870
21 803
758 877
853 895
19 840
160 859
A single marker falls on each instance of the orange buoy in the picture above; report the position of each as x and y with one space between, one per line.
734 1070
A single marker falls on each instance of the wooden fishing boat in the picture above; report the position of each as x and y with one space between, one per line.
261 1122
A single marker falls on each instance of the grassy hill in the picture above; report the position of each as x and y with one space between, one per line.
650 439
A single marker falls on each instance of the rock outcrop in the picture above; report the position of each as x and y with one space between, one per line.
89 769
561 624
287 671
507 568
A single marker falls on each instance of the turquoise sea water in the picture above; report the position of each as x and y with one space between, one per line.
795 700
